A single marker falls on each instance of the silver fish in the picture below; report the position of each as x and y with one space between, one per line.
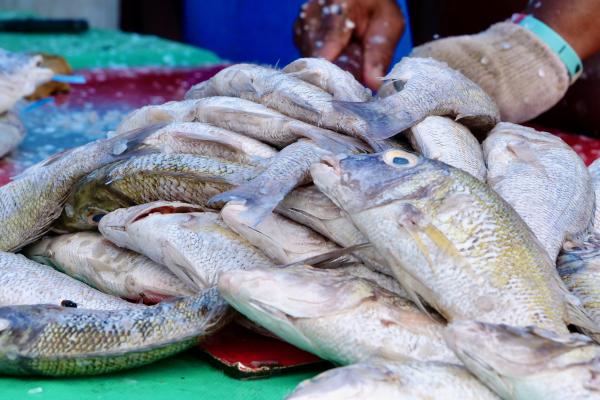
543 179
336 316
528 363
282 92
244 117
90 258
195 246
451 240
12 132
30 203
202 139
424 87
579 267
594 170
308 206
329 77
23 281
285 171
57 341
440 138
283 240
411 380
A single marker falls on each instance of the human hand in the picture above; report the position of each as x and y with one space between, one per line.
327 28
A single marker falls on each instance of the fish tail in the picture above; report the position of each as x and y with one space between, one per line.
125 144
379 123
259 200
330 141
336 258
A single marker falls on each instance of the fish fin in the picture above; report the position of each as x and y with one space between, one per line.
329 140
179 265
332 259
258 206
379 124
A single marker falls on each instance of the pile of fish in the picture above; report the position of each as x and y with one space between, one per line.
20 74
378 233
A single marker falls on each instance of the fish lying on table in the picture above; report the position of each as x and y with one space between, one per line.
32 201
32 338
152 177
23 281
89 257
451 240
196 246
337 316
543 179
410 380
528 363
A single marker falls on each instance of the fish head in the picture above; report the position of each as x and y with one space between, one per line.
114 225
357 381
276 298
358 182
89 202
501 355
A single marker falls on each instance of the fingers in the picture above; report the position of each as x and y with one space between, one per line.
351 59
379 42
323 29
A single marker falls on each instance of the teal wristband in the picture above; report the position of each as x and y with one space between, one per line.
553 40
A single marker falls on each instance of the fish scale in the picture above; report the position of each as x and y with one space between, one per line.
432 211
32 339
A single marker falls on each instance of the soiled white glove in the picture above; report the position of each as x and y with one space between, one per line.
511 64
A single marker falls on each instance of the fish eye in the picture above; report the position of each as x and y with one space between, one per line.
399 158
97 217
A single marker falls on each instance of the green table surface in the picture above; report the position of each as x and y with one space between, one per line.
181 376
103 48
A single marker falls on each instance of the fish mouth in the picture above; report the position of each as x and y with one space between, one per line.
333 163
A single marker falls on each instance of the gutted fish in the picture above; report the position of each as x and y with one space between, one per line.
196 246
334 315
543 179
90 258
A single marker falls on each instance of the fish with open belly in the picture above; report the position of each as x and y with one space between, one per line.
196 246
